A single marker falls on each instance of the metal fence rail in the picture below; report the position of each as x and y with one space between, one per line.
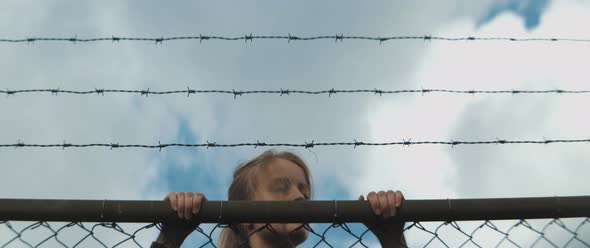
427 221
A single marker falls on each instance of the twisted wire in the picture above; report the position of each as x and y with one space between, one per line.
307 145
289 38
188 91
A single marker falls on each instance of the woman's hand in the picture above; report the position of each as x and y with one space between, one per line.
384 203
186 204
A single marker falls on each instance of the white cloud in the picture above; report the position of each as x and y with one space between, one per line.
491 171
124 174
491 65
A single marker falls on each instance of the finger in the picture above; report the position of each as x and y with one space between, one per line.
383 203
361 198
197 202
173 200
398 199
374 202
391 202
180 204
188 205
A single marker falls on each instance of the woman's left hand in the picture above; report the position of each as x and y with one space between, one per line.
384 203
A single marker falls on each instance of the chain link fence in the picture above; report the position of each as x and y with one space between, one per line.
543 222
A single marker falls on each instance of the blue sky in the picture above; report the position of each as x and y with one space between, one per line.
339 172
531 11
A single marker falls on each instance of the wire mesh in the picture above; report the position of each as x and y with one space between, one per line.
566 232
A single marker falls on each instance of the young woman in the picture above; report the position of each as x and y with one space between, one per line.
281 176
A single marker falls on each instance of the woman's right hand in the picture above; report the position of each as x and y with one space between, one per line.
186 204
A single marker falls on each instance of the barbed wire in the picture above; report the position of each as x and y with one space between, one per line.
281 92
250 37
306 145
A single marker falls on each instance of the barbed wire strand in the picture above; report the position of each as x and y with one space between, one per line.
306 145
289 38
281 92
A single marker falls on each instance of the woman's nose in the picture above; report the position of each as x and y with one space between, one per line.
296 194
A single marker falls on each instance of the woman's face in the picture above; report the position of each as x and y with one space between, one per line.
283 180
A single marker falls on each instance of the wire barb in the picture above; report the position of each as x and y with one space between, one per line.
211 144
19 143
64 145
160 146
258 143
99 91
285 92
145 92
248 38
74 39
201 38
380 92
358 143
237 93
330 92
189 91
292 38
9 92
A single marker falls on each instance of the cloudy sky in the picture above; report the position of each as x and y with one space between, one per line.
421 172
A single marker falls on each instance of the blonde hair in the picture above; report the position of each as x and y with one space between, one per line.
243 187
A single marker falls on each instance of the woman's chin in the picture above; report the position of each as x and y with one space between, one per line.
298 233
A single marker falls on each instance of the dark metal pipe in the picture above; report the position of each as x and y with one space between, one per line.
293 211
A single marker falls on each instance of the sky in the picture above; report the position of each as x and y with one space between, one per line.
421 172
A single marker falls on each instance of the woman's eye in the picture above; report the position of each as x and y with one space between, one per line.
282 188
